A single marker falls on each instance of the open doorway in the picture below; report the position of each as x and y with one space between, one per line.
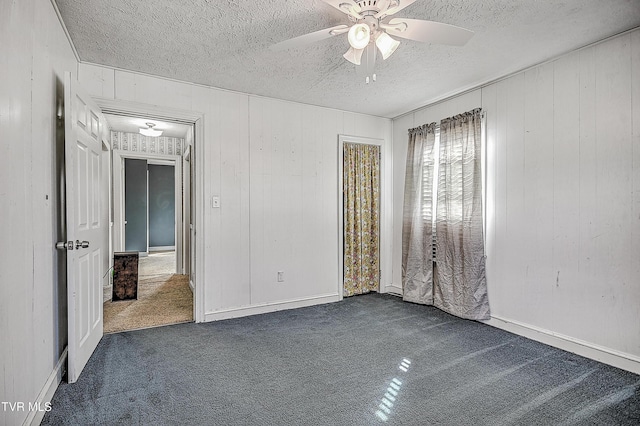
151 222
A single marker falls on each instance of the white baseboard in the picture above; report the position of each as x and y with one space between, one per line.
162 248
589 350
46 394
393 289
270 307
192 285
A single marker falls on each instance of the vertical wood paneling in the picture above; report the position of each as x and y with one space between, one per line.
234 250
499 301
614 173
211 223
284 184
566 195
98 81
535 222
312 191
17 264
331 126
386 262
589 261
400 144
489 96
294 196
515 256
635 216
152 90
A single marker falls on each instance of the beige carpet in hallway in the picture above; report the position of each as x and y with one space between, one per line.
158 263
163 298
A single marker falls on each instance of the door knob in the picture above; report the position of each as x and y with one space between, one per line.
64 245
82 244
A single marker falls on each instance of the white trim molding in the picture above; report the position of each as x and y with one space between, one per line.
580 347
393 289
46 394
271 307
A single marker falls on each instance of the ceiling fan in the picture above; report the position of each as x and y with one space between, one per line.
371 29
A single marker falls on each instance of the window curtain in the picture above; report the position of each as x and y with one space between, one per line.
361 181
417 267
460 286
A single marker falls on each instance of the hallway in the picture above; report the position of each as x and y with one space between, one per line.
163 297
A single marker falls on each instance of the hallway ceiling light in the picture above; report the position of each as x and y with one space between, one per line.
149 131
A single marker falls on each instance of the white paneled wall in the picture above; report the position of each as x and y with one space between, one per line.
563 198
34 53
274 165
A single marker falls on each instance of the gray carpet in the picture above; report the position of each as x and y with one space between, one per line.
342 364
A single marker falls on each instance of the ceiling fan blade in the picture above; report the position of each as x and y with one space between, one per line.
349 7
383 5
392 10
305 39
428 31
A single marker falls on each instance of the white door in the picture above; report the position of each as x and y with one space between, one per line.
85 226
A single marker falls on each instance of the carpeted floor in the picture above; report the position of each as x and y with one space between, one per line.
163 297
157 263
367 360
162 300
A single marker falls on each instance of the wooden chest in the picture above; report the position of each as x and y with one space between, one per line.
125 275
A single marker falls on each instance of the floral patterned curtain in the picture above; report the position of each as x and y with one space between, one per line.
361 218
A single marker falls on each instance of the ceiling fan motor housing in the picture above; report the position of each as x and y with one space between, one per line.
376 5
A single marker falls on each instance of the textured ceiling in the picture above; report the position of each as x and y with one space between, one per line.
224 43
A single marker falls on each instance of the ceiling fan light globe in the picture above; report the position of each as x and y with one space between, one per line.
359 36
354 56
386 45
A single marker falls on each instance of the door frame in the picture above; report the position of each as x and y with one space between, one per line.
385 241
196 120
119 234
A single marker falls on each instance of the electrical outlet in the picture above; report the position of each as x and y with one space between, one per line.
280 276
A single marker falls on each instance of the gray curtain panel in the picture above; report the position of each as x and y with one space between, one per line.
417 266
460 286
